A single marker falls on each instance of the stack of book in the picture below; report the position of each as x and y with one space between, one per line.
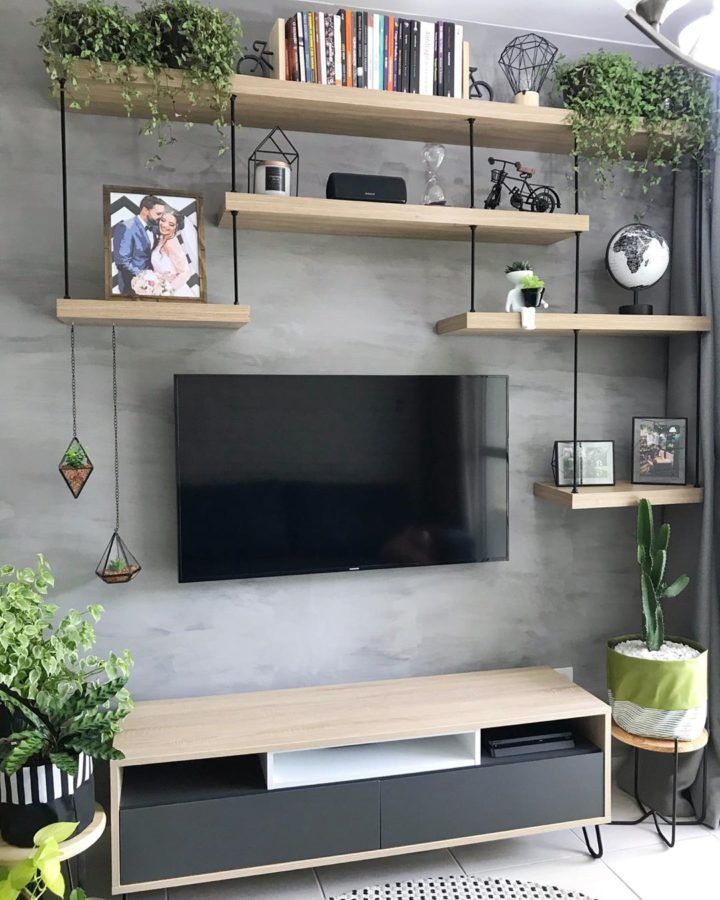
384 53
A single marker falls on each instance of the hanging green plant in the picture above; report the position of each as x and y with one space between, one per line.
196 41
610 99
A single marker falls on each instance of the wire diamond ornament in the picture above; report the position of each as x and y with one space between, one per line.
75 467
526 62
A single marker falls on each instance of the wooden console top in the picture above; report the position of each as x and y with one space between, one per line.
336 715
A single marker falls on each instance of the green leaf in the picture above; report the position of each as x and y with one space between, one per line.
65 762
677 587
22 874
57 831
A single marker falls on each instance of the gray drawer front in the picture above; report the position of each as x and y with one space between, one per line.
445 805
257 829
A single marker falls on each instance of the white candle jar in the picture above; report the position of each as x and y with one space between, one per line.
273 176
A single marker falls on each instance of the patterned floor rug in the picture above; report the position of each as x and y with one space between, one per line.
461 887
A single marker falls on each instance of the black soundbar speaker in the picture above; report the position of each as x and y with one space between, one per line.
377 188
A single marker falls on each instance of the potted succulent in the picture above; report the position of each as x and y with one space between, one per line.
657 685
533 289
75 467
119 570
40 872
64 706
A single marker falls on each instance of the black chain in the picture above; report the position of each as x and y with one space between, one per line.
115 426
72 373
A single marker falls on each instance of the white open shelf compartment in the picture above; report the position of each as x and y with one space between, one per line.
355 762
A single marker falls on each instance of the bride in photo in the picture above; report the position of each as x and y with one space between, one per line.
168 257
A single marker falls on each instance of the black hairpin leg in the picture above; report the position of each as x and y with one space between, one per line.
596 854
647 812
71 880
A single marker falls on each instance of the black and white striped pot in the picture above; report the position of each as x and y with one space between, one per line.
39 795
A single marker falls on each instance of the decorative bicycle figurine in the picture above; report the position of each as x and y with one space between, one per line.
479 90
524 194
260 59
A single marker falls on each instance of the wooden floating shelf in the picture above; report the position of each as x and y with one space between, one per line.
565 323
329 109
314 215
150 312
621 494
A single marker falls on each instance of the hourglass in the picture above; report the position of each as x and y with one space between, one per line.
433 156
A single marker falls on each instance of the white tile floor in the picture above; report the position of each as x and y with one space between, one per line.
635 865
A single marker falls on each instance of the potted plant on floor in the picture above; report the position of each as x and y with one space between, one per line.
41 872
657 686
64 707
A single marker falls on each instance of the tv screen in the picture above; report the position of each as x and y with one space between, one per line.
291 474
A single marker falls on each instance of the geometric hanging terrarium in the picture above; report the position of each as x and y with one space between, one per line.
75 466
117 564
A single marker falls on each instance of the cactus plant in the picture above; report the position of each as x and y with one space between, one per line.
652 549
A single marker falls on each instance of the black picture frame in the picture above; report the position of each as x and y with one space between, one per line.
678 463
582 479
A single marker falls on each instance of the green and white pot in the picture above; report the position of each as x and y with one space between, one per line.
658 698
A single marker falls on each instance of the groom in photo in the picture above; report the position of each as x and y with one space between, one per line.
133 240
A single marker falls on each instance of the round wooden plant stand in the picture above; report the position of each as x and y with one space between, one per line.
676 747
69 849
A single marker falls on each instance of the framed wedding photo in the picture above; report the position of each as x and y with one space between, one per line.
154 245
596 463
659 451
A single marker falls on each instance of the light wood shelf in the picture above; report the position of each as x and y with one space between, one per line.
483 323
72 847
149 312
329 109
315 215
618 495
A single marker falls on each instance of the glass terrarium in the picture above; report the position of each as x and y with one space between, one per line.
75 467
117 564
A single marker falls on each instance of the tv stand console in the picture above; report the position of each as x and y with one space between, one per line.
245 784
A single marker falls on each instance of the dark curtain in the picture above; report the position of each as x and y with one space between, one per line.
695 288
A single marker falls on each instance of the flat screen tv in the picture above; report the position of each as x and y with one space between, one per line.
292 474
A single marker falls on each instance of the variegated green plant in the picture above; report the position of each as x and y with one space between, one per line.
40 872
652 549
63 699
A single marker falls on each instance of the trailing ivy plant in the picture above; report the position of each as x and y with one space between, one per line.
40 872
610 98
63 699
199 42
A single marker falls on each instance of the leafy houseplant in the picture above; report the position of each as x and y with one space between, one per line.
519 265
41 872
533 289
64 703
197 41
610 98
657 687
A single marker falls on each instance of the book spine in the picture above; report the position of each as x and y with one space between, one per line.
457 60
466 71
441 59
337 40
303 48
359 81
330 48
289 51
435 58
415 58
364 35
406 56
321 48
386 53
391 45
311 47
372 51
449 73
427 59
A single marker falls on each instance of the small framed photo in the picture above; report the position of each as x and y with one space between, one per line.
596 463
659 451
154 245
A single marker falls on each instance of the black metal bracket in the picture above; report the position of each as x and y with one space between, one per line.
63 163
698 288
596 854
233 188
471 144
472 267
672 822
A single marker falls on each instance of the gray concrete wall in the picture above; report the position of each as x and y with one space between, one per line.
320 305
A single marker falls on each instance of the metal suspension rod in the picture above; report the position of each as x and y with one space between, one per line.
699 288
63 159
471 123
472 267
576 334
233 186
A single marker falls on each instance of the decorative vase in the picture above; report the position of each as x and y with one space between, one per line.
39 795
658 698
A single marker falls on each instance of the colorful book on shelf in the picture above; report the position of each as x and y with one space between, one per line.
354 48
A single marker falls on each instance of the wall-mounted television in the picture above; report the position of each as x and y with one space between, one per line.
293 474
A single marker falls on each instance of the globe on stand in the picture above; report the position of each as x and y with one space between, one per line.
637 257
